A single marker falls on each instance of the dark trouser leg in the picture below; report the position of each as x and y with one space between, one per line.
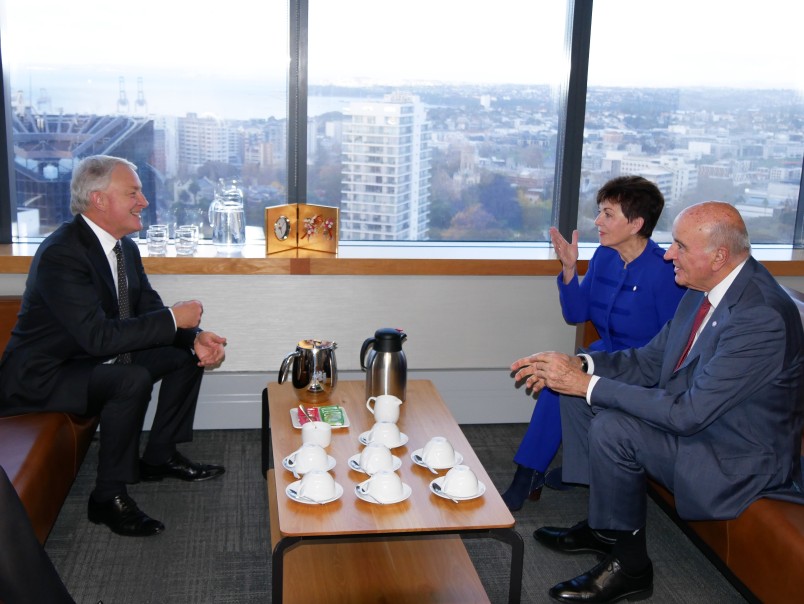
576 416
178 396
27 575
121 392
622 451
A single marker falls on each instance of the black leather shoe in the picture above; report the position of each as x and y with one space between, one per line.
605 583
580 538
178 466
122 515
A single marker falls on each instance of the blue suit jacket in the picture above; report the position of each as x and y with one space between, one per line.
736 404
69 322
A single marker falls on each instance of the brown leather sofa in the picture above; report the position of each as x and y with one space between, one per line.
41 452
761 551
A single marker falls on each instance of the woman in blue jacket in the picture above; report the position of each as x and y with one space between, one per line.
628 292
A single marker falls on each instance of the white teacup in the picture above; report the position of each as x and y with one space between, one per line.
460 481
384 486
386 407
376 457
319 433
438 453
386 433
306 458
317 485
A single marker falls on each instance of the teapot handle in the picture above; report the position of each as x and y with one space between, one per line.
363 350
285 367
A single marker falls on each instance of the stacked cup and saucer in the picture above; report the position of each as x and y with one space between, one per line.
459 483
437 454
383 486
311 464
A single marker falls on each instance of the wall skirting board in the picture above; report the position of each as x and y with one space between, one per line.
233 400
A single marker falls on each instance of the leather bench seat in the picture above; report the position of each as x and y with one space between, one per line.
762 548
42 453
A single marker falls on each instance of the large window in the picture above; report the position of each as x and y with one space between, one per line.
428 121
705 100
440 118
189 92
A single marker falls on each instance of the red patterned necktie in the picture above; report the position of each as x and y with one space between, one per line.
122 296
703 309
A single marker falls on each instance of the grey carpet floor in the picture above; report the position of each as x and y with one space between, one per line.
216 546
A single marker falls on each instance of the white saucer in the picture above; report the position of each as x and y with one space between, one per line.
481 489
406 491
354 463
294 486
418 453
296 473
403 439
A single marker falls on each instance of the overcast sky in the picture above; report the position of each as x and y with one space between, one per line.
635 42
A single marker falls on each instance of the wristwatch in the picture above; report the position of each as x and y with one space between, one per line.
584 363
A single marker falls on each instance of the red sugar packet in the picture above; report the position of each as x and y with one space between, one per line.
312 412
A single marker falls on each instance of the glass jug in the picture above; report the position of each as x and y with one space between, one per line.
227 217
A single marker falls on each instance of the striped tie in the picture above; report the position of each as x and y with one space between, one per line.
122 296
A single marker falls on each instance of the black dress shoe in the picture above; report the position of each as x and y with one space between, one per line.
580 538
178 466
122 515
605 583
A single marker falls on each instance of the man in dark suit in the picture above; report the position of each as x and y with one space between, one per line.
84 346
710 409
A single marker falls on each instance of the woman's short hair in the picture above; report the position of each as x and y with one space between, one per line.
637 197
93 173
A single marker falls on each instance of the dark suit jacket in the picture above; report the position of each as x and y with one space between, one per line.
69 322
736 404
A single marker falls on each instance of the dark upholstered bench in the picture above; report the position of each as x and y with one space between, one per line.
41 452
761 551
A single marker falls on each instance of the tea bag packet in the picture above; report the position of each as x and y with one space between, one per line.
312 412
332 414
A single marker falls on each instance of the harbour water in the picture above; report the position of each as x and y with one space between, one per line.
105 93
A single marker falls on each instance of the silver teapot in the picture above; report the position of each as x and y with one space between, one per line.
314 370
385 364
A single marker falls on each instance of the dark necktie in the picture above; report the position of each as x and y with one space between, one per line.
703 309
122 296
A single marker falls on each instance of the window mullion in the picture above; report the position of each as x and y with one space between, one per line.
297 101
572 109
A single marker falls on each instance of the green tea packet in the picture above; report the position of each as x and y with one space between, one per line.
332 414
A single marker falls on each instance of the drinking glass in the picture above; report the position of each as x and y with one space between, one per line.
186 240
157 238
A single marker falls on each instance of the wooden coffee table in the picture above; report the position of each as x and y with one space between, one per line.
406 552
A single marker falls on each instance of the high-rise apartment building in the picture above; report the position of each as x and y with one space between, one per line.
208 139
386 170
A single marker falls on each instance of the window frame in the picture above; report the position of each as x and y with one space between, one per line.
572 109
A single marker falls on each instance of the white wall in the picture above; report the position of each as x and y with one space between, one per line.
463 333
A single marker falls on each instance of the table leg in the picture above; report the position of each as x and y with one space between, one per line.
265 434
278 567
514 539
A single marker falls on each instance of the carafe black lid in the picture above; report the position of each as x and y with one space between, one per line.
389 339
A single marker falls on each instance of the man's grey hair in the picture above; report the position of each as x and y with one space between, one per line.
734 237
93 173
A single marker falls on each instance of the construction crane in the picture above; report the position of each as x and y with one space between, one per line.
122 99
